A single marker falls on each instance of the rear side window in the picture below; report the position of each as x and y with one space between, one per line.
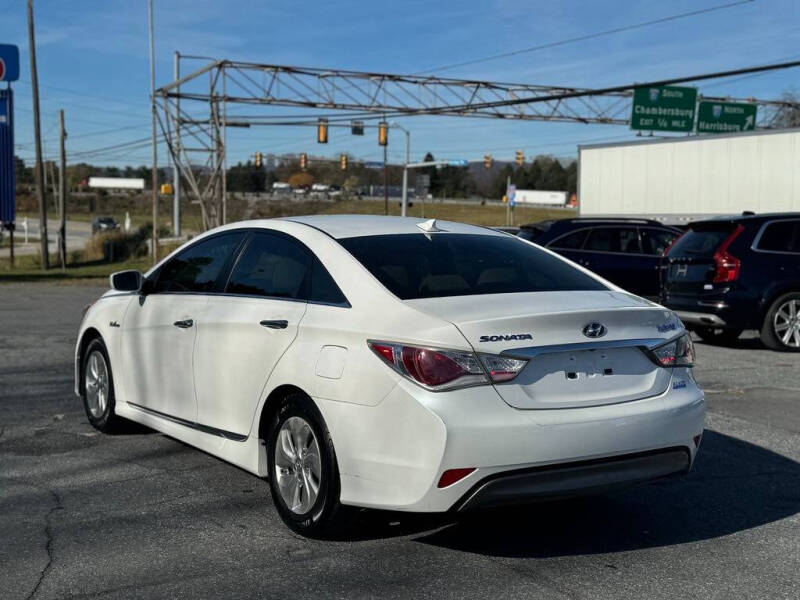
271 266
323 288
445 264
780 236
700 242
197 268
613 239
655 241
571 241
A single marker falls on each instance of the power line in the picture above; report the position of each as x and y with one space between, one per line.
588 36
594 92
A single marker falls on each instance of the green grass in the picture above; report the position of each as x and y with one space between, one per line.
487 215
28 268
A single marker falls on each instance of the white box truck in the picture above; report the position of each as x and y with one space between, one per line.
540 197
687 178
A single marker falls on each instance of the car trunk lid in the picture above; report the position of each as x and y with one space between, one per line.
566 368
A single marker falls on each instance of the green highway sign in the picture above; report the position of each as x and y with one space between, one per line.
663 108
725 117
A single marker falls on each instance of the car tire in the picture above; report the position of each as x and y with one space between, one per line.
300 458
717 335
782 319
97 388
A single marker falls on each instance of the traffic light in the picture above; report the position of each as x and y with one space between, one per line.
303 161
383 133
259 159
357 127
343 162
520 158
322 131
487 161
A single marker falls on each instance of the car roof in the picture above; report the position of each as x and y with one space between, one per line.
346 226
749 218
594 220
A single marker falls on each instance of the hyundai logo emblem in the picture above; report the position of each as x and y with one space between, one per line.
594 330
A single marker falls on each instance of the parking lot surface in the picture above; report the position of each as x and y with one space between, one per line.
142 515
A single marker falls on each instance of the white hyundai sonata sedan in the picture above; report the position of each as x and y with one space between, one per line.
359 361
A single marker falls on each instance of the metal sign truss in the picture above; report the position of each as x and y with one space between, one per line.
197 143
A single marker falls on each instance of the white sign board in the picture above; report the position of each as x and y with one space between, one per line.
116 183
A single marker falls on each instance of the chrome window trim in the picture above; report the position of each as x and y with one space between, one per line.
252 297
754 246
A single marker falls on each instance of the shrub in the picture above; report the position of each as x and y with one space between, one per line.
117 245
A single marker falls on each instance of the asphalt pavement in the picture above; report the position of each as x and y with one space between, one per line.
141 515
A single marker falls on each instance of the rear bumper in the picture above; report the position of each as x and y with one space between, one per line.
731 310
392 455
701 318
574 479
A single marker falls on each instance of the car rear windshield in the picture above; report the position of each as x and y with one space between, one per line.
446 264
702 241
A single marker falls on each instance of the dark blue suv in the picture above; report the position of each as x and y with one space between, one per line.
728 274
627 252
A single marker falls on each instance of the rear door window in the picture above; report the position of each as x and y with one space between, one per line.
614 239
780 236
571 241
655 241
271 266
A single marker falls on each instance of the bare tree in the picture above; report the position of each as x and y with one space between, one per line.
788 114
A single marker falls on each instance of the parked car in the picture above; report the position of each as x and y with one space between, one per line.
624 251
102 224
730 274
391 363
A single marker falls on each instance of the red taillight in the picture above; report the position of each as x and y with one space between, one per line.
385 352
727 265
440 369
452 476
430 367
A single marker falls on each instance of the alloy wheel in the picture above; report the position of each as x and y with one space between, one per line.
786 323
96 384
298 467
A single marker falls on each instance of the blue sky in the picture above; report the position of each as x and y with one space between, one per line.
93 61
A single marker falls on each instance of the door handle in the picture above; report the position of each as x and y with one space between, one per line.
185 324
275 324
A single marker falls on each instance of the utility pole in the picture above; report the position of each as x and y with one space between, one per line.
176 173
62 193
155 147
37 134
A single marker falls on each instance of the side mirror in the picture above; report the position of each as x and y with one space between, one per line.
126 281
